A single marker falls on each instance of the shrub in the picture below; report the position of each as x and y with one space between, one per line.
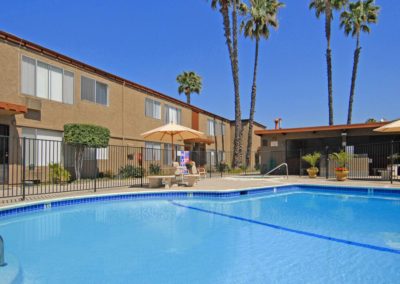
189 166
155 169
130 171
312 159
222 167
58 174
106 174
263 169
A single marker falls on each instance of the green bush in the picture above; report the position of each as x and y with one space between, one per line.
263 169
58 174
155 169
222 167
130 171
106 174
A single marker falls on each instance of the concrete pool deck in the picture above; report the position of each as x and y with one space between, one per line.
208 184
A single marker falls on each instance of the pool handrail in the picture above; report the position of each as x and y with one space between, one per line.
277 167
2 262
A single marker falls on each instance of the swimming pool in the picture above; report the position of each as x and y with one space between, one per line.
277 235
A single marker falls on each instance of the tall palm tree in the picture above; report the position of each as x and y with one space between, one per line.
189 82
261 15
231 38
326 7
354 21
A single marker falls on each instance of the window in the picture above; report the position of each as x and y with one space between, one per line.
211 127
153 151
28 75
101 154
45 81
42 147
222 128
168 153
94 91
172 115
68 87
152 109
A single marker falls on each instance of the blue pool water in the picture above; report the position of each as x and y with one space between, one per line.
291 236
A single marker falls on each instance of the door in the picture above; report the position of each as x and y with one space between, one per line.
4 133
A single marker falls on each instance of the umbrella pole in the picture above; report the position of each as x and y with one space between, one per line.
172 138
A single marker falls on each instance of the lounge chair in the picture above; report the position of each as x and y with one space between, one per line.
202 172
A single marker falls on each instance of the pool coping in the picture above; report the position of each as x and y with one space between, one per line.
164 193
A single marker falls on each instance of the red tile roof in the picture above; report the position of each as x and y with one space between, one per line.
13 107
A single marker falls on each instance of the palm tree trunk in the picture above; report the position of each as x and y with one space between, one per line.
252 107
233 51
187 98
237 146
353 79
330 91
328 20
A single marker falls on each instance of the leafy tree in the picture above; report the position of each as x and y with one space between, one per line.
189 82
354 21
371 120
260 16
326 7
231 37
81 136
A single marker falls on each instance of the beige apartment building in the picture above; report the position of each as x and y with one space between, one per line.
42 90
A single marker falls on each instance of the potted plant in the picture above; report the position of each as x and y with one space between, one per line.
189 166
341 159
312 160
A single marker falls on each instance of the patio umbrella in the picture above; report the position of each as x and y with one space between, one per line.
168 132
390 127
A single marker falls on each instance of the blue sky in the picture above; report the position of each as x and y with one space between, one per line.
150 42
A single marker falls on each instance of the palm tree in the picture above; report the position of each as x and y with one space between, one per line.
189 82
231 38
261 15
354 21
325 7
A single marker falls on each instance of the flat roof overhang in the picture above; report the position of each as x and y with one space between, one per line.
11 109
342 127
207 141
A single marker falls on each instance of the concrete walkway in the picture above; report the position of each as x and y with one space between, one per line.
208 184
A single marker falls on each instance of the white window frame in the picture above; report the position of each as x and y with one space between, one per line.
178 113
48 79
153 103
209 123
95 87
150 153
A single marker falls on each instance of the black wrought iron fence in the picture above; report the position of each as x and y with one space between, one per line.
372 161
33 166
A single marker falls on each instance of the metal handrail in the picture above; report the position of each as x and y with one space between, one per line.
2 262
277 167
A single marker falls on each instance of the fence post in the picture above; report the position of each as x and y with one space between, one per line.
327 162
391 161
141 167
95 169
23 166
300 163
210 164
